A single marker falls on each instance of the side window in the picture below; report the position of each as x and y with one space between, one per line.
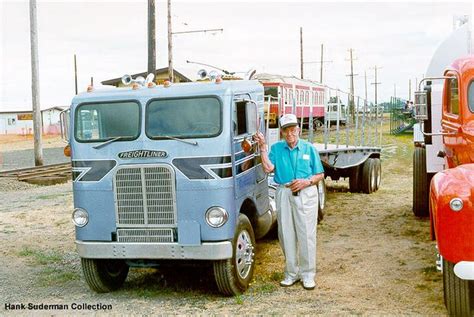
452 98
307 98
244 118
470 96
290 98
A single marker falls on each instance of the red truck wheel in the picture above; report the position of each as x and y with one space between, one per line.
458 293
421 183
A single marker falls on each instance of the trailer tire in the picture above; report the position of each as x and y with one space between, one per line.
458 293
104 275
368 176
233 275
354 179
321 199
421 184
378 173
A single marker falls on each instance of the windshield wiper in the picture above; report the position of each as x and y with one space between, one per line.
111 140
178 139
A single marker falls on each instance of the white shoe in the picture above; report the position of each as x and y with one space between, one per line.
309 284
289 281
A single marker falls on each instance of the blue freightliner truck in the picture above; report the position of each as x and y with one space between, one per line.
159 174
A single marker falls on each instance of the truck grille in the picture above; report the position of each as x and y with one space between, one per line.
145 196
145 235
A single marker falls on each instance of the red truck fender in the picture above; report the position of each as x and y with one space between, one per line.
452 229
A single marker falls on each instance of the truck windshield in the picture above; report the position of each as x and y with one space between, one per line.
198 117
99 122
470 96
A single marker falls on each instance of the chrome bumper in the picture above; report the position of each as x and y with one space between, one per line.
121 250
464 270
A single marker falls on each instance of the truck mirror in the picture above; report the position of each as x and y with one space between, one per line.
64 124
421 107
251 117
246 146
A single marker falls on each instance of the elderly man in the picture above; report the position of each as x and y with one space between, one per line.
298 169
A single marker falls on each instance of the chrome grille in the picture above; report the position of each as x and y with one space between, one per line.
145 235
145 196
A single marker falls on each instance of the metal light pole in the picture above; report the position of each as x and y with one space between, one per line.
170 41
37 127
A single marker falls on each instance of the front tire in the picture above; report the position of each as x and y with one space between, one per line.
458 293
103 275
233 275
421 183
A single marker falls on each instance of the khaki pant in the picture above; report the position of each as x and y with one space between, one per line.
297 220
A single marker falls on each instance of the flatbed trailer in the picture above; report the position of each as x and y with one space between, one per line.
351 150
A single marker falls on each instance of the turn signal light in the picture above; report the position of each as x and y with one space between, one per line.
67 150
167 83
90 88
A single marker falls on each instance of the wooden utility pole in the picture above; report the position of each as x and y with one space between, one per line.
351 106
151 37
409 89
322 61
365 77
301 51
75 72
170 45
35 93
376 83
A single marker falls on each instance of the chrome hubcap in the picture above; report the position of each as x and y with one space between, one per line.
244 254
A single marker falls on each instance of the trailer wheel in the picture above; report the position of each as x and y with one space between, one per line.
421 183
233 275
378 173
458 293
322 199
103 275
354 179
368 176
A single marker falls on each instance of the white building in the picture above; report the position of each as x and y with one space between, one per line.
21 122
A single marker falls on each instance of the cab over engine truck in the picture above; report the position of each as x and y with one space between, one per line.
446 113
160 174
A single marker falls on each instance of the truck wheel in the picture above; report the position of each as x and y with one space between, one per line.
458 293
322 199
420 183
234 275
368 176
354 179
378 173
103 275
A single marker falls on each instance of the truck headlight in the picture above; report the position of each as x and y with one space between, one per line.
456 204
80 217
216 217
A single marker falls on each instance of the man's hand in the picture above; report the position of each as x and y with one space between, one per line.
299 184
260 139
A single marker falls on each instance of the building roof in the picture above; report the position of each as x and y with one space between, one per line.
163 70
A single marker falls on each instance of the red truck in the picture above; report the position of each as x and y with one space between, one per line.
451 190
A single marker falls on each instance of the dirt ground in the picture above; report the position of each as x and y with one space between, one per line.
10 143
374 258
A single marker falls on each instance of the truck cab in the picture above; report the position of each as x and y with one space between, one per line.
159 173
451 191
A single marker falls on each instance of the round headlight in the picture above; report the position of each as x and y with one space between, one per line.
216 217
456 204
80 217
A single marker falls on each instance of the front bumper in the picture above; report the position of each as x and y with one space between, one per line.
464 270
120 250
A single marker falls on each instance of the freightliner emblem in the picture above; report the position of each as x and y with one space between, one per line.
142 154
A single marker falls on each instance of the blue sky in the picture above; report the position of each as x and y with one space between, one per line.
109 38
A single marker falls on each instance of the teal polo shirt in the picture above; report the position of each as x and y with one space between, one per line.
300 162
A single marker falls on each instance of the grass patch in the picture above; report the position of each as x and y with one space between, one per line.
239 300
54 276
430 269
276 276
41 257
